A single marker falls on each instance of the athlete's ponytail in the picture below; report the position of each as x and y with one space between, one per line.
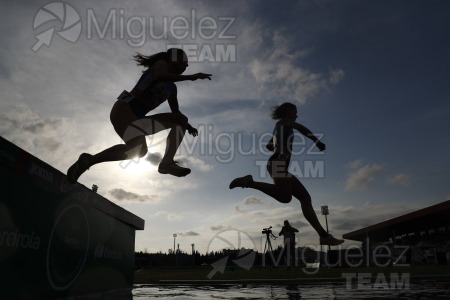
171 55
280 111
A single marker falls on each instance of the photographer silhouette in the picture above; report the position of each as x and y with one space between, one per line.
289 242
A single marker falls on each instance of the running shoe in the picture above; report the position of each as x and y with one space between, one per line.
173 169
78 168
330 240
242 182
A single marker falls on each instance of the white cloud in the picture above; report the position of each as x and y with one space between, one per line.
252 200
48 138
217 227
169 184
355 164
125 196
189 233
361 177
401 179
170 216
193 162
154 158
336 75
279 75
174 217
351 218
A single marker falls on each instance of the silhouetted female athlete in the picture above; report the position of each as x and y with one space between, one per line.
128 115
285 185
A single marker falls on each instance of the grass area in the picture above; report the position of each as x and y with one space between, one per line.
155 275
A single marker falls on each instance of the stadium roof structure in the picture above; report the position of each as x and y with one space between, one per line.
431 217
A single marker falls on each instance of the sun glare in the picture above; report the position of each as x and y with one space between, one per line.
137 167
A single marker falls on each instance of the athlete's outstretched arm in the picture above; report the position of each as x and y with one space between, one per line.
308 133
162 74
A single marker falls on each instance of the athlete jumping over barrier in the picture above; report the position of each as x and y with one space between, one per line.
128 115
285 185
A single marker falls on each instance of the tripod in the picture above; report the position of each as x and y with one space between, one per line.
268 245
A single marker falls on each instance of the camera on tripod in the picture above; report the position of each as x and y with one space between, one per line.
269 235
267 230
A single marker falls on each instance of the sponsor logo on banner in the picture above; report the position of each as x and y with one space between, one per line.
41 172
20 240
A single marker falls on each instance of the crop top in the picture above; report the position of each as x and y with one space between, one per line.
154 92
283 138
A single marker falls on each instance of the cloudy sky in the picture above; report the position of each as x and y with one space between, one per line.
371 77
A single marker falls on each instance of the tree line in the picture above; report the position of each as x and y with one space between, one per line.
235 257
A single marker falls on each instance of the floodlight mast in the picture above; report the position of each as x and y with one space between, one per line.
326 212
